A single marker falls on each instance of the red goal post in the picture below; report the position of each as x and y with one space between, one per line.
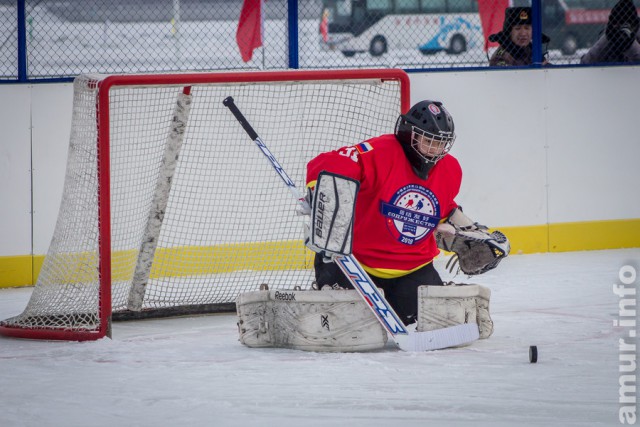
168 209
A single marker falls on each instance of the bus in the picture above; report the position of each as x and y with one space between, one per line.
377 26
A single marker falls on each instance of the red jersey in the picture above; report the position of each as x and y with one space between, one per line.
396 211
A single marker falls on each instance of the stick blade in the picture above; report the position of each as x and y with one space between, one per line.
440 338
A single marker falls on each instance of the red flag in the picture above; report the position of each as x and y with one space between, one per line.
249 35
324 25
492 17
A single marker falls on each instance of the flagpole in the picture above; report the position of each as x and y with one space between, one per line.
262 21
176 33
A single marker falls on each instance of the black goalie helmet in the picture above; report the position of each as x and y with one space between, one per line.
426 134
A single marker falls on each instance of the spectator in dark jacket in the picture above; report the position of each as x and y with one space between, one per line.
621 39
515 39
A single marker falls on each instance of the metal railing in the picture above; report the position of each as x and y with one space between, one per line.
55 39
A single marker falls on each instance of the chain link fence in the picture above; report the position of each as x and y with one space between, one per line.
8 41
45 39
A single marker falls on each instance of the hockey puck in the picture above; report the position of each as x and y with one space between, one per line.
533 354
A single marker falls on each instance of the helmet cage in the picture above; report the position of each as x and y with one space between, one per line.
440 144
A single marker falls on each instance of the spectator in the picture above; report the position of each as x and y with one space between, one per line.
621 40
515 39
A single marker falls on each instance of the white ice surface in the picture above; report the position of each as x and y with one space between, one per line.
194 372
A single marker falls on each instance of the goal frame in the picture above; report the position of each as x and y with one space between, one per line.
103 85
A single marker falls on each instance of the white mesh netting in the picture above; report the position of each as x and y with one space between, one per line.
229 223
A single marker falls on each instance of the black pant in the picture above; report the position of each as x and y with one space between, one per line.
401 292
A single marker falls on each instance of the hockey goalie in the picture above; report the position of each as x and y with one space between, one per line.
390 202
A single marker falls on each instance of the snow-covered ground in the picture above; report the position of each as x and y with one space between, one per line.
193 371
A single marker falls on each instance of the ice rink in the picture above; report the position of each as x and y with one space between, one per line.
194 372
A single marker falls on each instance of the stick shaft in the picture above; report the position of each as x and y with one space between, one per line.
230 104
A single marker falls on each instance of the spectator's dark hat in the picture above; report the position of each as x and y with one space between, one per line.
624 12
514 16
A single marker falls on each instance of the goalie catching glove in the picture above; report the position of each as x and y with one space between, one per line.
333 206
476 250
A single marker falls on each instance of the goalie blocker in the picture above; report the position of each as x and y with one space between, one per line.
333 204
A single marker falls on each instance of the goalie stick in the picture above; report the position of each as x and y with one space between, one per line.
405 339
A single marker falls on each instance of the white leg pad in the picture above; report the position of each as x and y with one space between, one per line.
328 320
444 306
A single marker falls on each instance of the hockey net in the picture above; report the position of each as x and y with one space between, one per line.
168 207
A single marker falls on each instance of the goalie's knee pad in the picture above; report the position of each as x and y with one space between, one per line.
328 320
443 306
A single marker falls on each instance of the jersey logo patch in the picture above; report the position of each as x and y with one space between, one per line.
412 213
364 147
